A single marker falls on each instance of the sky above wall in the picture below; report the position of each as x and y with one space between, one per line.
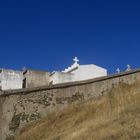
47 35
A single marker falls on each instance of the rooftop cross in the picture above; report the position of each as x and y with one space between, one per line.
128 68
118 70
75 60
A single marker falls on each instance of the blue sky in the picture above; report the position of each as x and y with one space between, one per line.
47 34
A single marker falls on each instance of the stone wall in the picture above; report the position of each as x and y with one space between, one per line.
1 119
19 107
33 78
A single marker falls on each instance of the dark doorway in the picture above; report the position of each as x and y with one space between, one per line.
24 83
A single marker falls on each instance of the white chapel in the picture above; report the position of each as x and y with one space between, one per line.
77 72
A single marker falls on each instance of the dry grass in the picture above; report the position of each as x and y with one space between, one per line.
115 116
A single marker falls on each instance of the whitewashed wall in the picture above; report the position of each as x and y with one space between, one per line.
61 77
82 72
11 79
85 72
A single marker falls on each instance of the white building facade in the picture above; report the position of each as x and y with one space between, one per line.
77 73
10 79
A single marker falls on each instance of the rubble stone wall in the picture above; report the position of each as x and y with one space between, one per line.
19 107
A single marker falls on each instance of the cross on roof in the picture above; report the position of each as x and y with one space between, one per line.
76 60
128 68
118 70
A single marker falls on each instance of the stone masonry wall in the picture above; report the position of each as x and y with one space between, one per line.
19 107
0 119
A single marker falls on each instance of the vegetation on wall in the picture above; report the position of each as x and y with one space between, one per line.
113 116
